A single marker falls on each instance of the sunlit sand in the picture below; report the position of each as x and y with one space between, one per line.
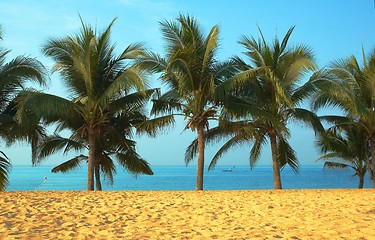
268 214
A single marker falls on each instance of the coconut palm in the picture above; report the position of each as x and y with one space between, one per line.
102 86
110 143
354 93
345 148
265 96
13 77
191 73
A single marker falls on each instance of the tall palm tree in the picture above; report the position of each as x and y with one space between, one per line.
100 86
265 96
354 94
346 148
191 73
13 77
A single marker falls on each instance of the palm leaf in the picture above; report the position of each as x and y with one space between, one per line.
107 167
255 152
5 167
131 161
234 141
152 126
286 155
44 106
55 143
152 62
328 165
133 51
70 164
306 116
210 46
133 101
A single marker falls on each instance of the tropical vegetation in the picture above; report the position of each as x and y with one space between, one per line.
192 73
14 76
345 148
253 100
107 97
354 94
263 97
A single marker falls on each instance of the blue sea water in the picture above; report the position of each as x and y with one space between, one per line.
27 178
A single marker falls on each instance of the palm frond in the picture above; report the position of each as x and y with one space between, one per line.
70 164
133 101
234 141
152 63
133 51
284 43
131 161
152 126
107 167
44 106
21 69
55 143
328 165
308 117
286 155
131 78
5 167
210 46
168 103
255 151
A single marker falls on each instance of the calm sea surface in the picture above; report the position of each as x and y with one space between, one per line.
27 178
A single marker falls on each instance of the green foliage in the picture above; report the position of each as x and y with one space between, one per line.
192 75
354 94
14 75
70 164
107 97
345 147
190 71
260 100
5 167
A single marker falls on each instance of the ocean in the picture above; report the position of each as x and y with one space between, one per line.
27 178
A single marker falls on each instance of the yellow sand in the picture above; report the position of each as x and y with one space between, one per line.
286 214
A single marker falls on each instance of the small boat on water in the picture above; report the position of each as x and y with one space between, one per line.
229 169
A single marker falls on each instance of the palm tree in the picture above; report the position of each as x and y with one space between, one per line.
347 148
354 94
191 73
102 87
110 143
13 77
265 96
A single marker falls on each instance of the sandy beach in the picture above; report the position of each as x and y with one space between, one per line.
259 214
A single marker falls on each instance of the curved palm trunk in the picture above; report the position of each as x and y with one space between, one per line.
91 160
200 167
275 162
372 145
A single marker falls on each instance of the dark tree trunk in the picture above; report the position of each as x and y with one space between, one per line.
369 170
91 160
361 181
200 167
372 145
275 162
98 183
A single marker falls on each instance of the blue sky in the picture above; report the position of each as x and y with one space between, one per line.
333 29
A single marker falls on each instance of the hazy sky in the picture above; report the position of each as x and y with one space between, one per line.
333 29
